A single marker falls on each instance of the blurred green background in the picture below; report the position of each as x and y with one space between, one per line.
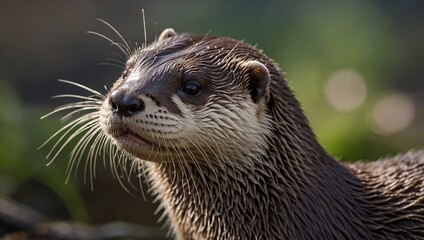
356 66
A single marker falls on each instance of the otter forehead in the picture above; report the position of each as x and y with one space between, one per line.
170 51
187 43
187 51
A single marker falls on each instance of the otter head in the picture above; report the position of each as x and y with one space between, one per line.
190 97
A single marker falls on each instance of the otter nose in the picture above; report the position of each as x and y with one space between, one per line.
125 105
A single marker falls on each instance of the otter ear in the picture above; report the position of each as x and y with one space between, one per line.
259 80
169 32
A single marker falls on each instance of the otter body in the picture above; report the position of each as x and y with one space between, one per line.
231 155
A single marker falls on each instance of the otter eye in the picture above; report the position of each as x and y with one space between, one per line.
125 74
191 88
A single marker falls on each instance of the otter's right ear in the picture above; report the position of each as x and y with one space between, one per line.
259 80
169 32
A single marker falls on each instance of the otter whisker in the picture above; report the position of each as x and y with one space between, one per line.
196 163
82 86
121 47
161 142
96 151
93 155
106 145
81 106
96 98
113 153
153 151
119 56
144 28
57 133
182 163
78 151
112 64
116 173
70 126
70 114
126 46
122 163
116 153
205 157
90 129
141 174
137 167
187 167
116 31
222 157
127 171
115 162
120 62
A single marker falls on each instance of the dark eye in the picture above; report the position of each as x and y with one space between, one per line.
191 88
125 74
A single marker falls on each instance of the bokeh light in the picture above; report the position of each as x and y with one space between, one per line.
392 114
346 90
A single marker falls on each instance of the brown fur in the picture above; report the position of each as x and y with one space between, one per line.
281 186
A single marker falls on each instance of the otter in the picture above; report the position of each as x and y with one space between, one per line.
227 149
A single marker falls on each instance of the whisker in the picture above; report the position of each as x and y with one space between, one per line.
196 163
180 160
117 33
121 47
89 99
116 61
88 126
136 166
69 115
81 145
125 171
124 58
68 107
93 154
144 28
81 86
111 64
68 126
119 179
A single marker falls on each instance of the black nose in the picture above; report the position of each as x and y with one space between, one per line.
125 104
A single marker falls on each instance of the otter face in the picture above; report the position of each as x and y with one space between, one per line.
189 97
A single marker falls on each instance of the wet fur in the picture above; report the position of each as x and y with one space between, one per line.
257 171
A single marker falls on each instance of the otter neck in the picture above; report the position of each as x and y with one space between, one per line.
290 186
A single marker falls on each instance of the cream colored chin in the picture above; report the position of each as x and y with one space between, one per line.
140 148
135 146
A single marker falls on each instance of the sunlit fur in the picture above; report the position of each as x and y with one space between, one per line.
233 168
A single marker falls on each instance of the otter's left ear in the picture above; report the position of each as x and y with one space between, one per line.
259 80
169 32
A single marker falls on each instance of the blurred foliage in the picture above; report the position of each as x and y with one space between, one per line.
19 159
346 35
